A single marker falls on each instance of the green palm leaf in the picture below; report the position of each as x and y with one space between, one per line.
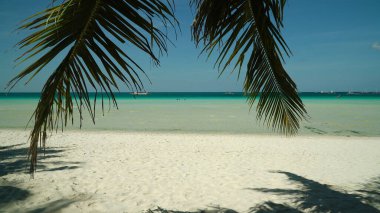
80 31
242 29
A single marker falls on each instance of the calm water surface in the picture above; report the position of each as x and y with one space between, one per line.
330 114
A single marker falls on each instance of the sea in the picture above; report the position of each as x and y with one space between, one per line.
340 114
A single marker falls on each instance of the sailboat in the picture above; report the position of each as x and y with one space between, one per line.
139 93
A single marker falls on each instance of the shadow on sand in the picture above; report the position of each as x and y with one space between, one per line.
309 196
54 206
13 159
370 192
10 195
267 207
211 210
306 196
312 196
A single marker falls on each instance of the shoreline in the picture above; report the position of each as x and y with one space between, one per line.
187 132
91 171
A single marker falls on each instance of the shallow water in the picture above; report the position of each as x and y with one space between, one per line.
330 114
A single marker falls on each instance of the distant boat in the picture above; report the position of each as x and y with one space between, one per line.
229 93
139 93
353 93
331 92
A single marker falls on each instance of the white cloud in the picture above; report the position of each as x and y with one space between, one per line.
376 46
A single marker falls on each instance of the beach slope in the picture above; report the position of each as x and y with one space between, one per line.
88 171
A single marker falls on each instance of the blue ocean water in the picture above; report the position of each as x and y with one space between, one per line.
346 114
208 95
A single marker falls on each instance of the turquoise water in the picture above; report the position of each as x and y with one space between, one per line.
330 114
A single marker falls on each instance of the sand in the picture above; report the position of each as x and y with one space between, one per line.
134 172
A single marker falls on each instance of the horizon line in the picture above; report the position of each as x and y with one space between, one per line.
321 91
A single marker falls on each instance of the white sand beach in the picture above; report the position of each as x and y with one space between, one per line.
88 171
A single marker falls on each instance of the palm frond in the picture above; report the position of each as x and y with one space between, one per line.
242 29
80 31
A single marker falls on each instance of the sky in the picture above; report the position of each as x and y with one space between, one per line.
335 46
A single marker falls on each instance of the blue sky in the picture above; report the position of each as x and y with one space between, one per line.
335 45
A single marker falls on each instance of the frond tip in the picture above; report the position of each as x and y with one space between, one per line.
250 29
80 32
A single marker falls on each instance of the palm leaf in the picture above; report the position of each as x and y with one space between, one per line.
242 29
80 31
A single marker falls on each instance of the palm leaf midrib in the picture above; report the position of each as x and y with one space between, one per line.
83 33
260 36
